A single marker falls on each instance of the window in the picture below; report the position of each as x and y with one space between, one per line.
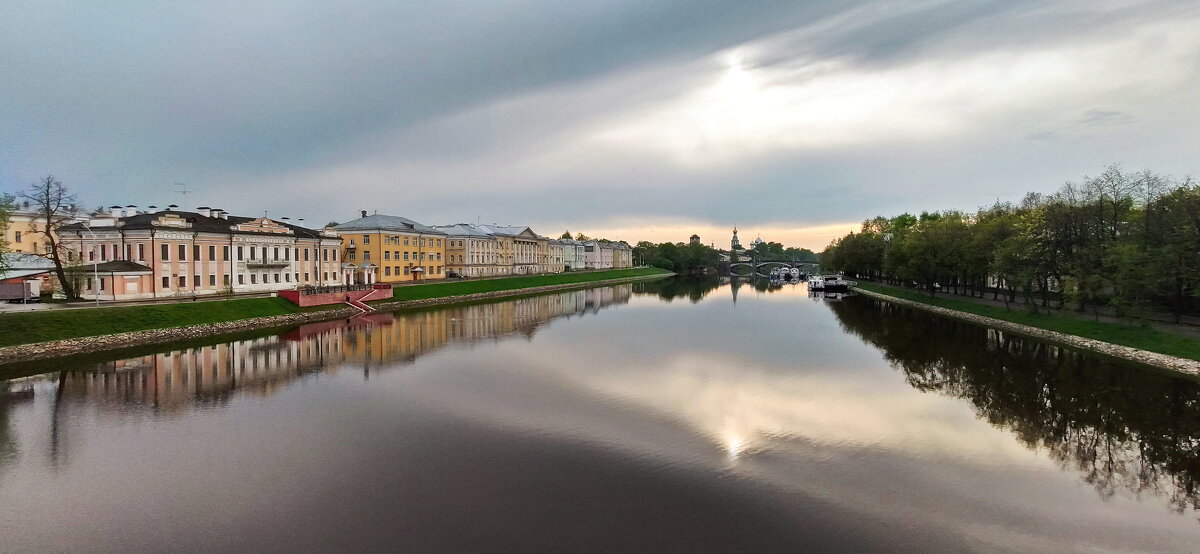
239 253
225 280
241 279
183 281
334 255
276 278
405 241
166 282
387 255
166 252
196 252
406 270
406 255
19 240
305 273
212 252
387 271
102 283
196 280
253 279
306 255
265 257
287 277
128 251
253 253
325 253
103 252
225 254
276 254
352 256
183 252
367 256
141 252
212 280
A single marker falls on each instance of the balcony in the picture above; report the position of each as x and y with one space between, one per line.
267 263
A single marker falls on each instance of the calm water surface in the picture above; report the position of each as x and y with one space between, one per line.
666 416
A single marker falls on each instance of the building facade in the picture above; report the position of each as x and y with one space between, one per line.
126 254
492 250
391 249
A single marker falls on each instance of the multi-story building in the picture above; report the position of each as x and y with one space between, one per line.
391 249
128 254
622 255
490 250
25 232
574 257
598 255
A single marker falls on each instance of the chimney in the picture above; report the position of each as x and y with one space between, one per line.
364 213
204 211
130 210
172 206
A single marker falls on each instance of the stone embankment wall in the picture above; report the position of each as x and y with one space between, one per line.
84 345
1146 357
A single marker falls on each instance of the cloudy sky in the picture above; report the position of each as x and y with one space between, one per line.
628 119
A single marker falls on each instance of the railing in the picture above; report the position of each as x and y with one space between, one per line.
265 263
334 288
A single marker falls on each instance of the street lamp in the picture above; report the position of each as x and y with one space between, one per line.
95 264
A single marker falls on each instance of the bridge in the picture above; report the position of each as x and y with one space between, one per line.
764 268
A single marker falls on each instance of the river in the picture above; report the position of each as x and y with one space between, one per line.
677 415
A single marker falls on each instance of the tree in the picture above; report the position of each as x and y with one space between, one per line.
54 204
7 205
331 224
582 236
566 235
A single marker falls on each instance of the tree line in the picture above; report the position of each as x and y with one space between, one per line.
1124 241
677 257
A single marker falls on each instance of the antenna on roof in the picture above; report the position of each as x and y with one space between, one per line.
182 189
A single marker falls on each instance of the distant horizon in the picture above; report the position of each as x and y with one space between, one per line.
643 121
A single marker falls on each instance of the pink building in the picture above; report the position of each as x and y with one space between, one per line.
171 253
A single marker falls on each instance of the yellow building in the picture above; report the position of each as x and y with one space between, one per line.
391 249
24 232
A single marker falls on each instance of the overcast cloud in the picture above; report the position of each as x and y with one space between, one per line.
635 120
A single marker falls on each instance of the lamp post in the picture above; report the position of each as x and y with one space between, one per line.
95 263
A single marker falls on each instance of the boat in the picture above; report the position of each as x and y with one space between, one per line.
816 282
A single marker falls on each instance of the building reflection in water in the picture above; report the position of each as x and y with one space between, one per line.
1122 428
204 374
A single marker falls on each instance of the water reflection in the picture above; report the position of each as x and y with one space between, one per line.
1123 429
180 378
693 415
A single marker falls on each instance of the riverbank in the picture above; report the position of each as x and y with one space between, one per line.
40 335
1134 343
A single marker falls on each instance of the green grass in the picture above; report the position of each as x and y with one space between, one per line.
458 288
1135 336
40 326
28 327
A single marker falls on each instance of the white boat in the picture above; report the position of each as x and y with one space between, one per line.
816 282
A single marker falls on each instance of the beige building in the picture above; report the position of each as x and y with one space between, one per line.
492 250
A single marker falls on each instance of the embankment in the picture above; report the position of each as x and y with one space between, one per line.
89 336
1138 355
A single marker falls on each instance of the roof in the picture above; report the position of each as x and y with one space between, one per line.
380 222
197 223
22 265
464 230
115 266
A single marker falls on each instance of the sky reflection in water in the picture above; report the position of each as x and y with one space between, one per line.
676 414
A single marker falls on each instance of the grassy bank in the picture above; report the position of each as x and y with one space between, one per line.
456 288
41 326
1134 336
27 327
